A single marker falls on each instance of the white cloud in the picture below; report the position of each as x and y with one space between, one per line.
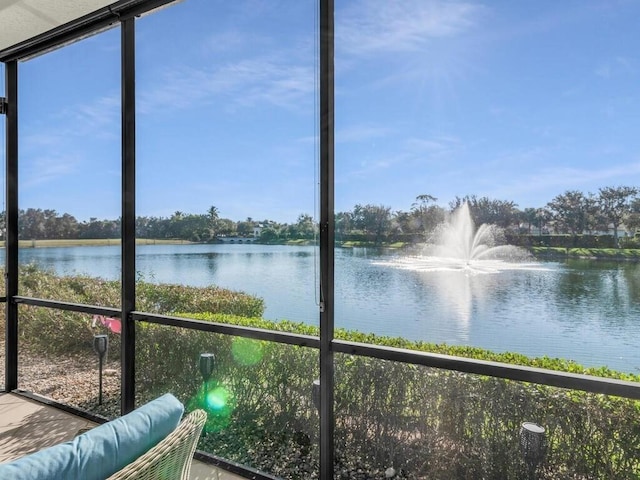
615 67
361 133
55 146
432 147
410 153
234 40
374 26
46 169
557 180
247 83
225 41
99 118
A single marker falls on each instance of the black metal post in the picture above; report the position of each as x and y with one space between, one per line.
327 235
11 234
100 380
128 214
100 345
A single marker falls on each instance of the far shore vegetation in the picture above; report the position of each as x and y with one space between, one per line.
572 225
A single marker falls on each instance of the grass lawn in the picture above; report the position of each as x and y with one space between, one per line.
604 253
353 244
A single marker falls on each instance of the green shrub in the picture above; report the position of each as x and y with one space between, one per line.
169 299
425 422
562 241
56 331
629 242
269 387
598 253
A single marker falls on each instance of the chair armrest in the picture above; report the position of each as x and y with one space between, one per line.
171 458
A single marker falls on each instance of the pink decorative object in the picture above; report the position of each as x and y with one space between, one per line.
112 324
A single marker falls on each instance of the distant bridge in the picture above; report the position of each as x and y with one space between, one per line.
237 239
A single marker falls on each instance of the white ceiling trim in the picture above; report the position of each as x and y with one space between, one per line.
22 20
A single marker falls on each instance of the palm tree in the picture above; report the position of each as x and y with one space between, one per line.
213 213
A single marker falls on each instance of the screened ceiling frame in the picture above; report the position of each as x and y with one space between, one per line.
124 13
87 25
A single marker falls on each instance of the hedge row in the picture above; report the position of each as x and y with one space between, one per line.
596 253
562 241
57 331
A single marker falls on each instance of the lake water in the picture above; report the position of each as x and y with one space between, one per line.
588 311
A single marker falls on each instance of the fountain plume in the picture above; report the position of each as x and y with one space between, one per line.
459 240
459 246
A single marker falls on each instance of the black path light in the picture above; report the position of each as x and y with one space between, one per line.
315 394
207 362
533 444
100 346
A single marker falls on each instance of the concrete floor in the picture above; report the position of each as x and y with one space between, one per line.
27 426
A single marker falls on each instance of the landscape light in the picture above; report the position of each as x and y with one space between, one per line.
207 362
533 445
100 346
315 394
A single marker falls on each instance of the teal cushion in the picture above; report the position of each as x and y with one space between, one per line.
103 450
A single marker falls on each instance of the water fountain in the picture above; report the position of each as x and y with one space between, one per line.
454 266
459 246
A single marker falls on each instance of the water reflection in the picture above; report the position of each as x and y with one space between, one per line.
458 292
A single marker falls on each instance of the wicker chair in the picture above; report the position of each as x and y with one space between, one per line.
171 458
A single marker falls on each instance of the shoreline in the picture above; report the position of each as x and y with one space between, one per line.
611 254
544 253
94 242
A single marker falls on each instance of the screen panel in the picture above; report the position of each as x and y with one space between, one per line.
72 358
487 178
69 171
226 153
258 395
395 420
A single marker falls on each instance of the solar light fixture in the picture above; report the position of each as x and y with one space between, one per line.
100 346
315 394
207 362
533 445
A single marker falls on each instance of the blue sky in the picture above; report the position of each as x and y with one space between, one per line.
514 100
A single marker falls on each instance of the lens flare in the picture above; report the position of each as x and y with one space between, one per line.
219 403
216 399
246 351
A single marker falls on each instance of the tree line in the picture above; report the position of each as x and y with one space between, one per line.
572 212
47 224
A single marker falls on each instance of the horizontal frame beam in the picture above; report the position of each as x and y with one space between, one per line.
228 329
232 467
540 376
68 306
